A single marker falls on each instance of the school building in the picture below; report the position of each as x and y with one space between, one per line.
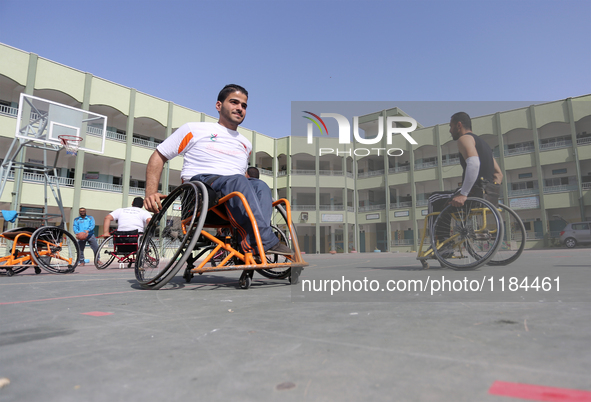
343 201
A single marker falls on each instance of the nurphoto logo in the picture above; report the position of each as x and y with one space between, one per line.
392 128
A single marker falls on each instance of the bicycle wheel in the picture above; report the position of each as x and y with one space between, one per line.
54 249
105 251
283 235
466 237
513 241
171 234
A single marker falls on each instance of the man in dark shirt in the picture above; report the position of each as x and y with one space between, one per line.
476 157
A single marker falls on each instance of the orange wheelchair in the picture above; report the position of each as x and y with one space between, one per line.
177 236
49 247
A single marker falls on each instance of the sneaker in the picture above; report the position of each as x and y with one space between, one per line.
280 249
81 264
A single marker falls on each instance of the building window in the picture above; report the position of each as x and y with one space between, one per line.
525 175
559 171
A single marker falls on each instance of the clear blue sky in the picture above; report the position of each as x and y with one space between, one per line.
284 51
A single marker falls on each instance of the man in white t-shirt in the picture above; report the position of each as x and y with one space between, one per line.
217 154
128 219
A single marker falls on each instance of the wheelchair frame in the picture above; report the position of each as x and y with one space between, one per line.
44 250
202 242
123 257
457 240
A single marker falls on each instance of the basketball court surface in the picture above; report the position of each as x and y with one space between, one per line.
96 336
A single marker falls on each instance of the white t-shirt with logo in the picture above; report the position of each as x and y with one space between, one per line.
208 148
131 218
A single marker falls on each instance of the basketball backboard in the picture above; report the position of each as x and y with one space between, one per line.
43 121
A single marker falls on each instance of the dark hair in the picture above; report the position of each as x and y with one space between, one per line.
138 202
463 118
230 88
253 172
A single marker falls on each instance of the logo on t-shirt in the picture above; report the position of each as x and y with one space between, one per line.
213 137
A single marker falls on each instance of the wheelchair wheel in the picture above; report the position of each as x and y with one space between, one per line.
104 256
13 270
466 237
171 235
283 235
513 241
281 272
54 249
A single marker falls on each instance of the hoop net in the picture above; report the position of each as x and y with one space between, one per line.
70 143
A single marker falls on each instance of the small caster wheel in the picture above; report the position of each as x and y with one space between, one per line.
245 280
9 272
425 264
37 270
294 278
188 275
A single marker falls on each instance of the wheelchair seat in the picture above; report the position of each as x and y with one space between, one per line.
11 234
125 241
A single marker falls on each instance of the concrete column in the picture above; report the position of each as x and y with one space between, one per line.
318 215
15 203
129 146
575 152
532 112
80 156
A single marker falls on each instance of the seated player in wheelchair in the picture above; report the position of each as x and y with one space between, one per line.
481 175
217 155
131 222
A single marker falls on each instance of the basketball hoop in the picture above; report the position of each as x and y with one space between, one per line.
71 143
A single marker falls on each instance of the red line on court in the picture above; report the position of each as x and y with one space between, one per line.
538 392
66 297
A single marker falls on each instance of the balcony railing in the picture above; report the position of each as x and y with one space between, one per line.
145 143
584 141
556 145
85 184
331 207
520 150
39 178
330 172
402 242
398 205
373 173
425 165
398 169
303 207
8 110
586 186
524 191
266 172
422 203
451 161
303 172
281 173
560 189
376 207
137 191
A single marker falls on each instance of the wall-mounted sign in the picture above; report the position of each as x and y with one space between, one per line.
370 217
425 212
525 202
91 176
332 217
399 214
